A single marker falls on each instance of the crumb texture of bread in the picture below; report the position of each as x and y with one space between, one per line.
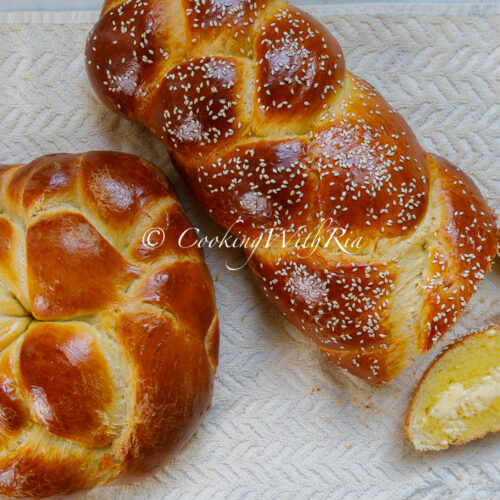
108 345
458 399
278 140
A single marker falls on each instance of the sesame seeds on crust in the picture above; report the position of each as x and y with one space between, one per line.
253 101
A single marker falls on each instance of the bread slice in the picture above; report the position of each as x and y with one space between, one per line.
458 398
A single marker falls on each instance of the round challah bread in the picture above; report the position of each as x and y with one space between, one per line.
108 344
271 132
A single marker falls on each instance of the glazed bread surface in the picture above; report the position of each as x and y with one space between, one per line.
108 345
458 398
276 138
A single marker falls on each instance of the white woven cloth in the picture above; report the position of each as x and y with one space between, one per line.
285 422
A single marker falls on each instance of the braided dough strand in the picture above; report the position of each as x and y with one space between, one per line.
271 132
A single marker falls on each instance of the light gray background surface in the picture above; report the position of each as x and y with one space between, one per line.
14 5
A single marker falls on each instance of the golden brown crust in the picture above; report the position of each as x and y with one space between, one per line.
68 382
169 400
329 303
237 192
31 473
300 69
118 197
272 133
207 113
109 347
14 415
72 270
468 234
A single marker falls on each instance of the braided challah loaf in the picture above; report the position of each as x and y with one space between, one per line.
108 345
259 114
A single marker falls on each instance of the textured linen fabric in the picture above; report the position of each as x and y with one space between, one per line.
285 421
